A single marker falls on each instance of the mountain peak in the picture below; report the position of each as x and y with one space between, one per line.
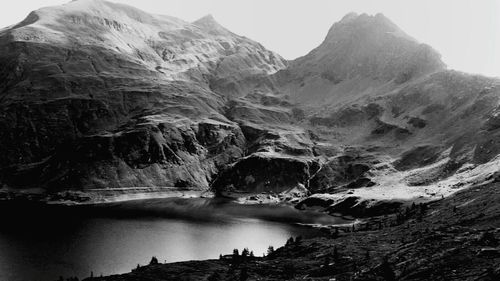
349 16
82 4
87 1
371 46
209 18
209 24
356 23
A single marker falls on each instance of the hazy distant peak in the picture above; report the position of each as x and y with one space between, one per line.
206 19
353 23
87 3
210 25
350 16
363 45
379 19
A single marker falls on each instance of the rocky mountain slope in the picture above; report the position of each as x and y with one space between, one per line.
383 122
95 94
98 94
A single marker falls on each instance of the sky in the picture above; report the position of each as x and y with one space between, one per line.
465 32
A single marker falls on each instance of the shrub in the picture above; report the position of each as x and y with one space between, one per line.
270 250
153 261
245 253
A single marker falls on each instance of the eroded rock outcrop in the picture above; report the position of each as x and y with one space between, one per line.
261 172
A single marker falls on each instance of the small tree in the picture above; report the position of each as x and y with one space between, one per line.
251 254
289 241
270 250
236 258
245 253
153 261
423 208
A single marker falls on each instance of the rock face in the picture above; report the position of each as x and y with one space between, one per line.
348 171
262 173
95 94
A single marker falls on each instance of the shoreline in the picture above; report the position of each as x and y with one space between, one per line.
103 196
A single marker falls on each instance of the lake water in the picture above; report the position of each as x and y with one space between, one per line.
39 242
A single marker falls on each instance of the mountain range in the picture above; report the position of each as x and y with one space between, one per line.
98 95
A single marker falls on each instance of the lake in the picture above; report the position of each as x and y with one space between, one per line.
43 242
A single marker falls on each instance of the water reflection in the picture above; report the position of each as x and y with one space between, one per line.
41 242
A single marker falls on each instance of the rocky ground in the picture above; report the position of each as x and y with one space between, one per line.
456 238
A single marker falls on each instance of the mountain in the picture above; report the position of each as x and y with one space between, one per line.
376 117
376 86
98 95
360 51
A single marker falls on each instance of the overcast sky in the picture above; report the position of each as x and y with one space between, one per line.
465 32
